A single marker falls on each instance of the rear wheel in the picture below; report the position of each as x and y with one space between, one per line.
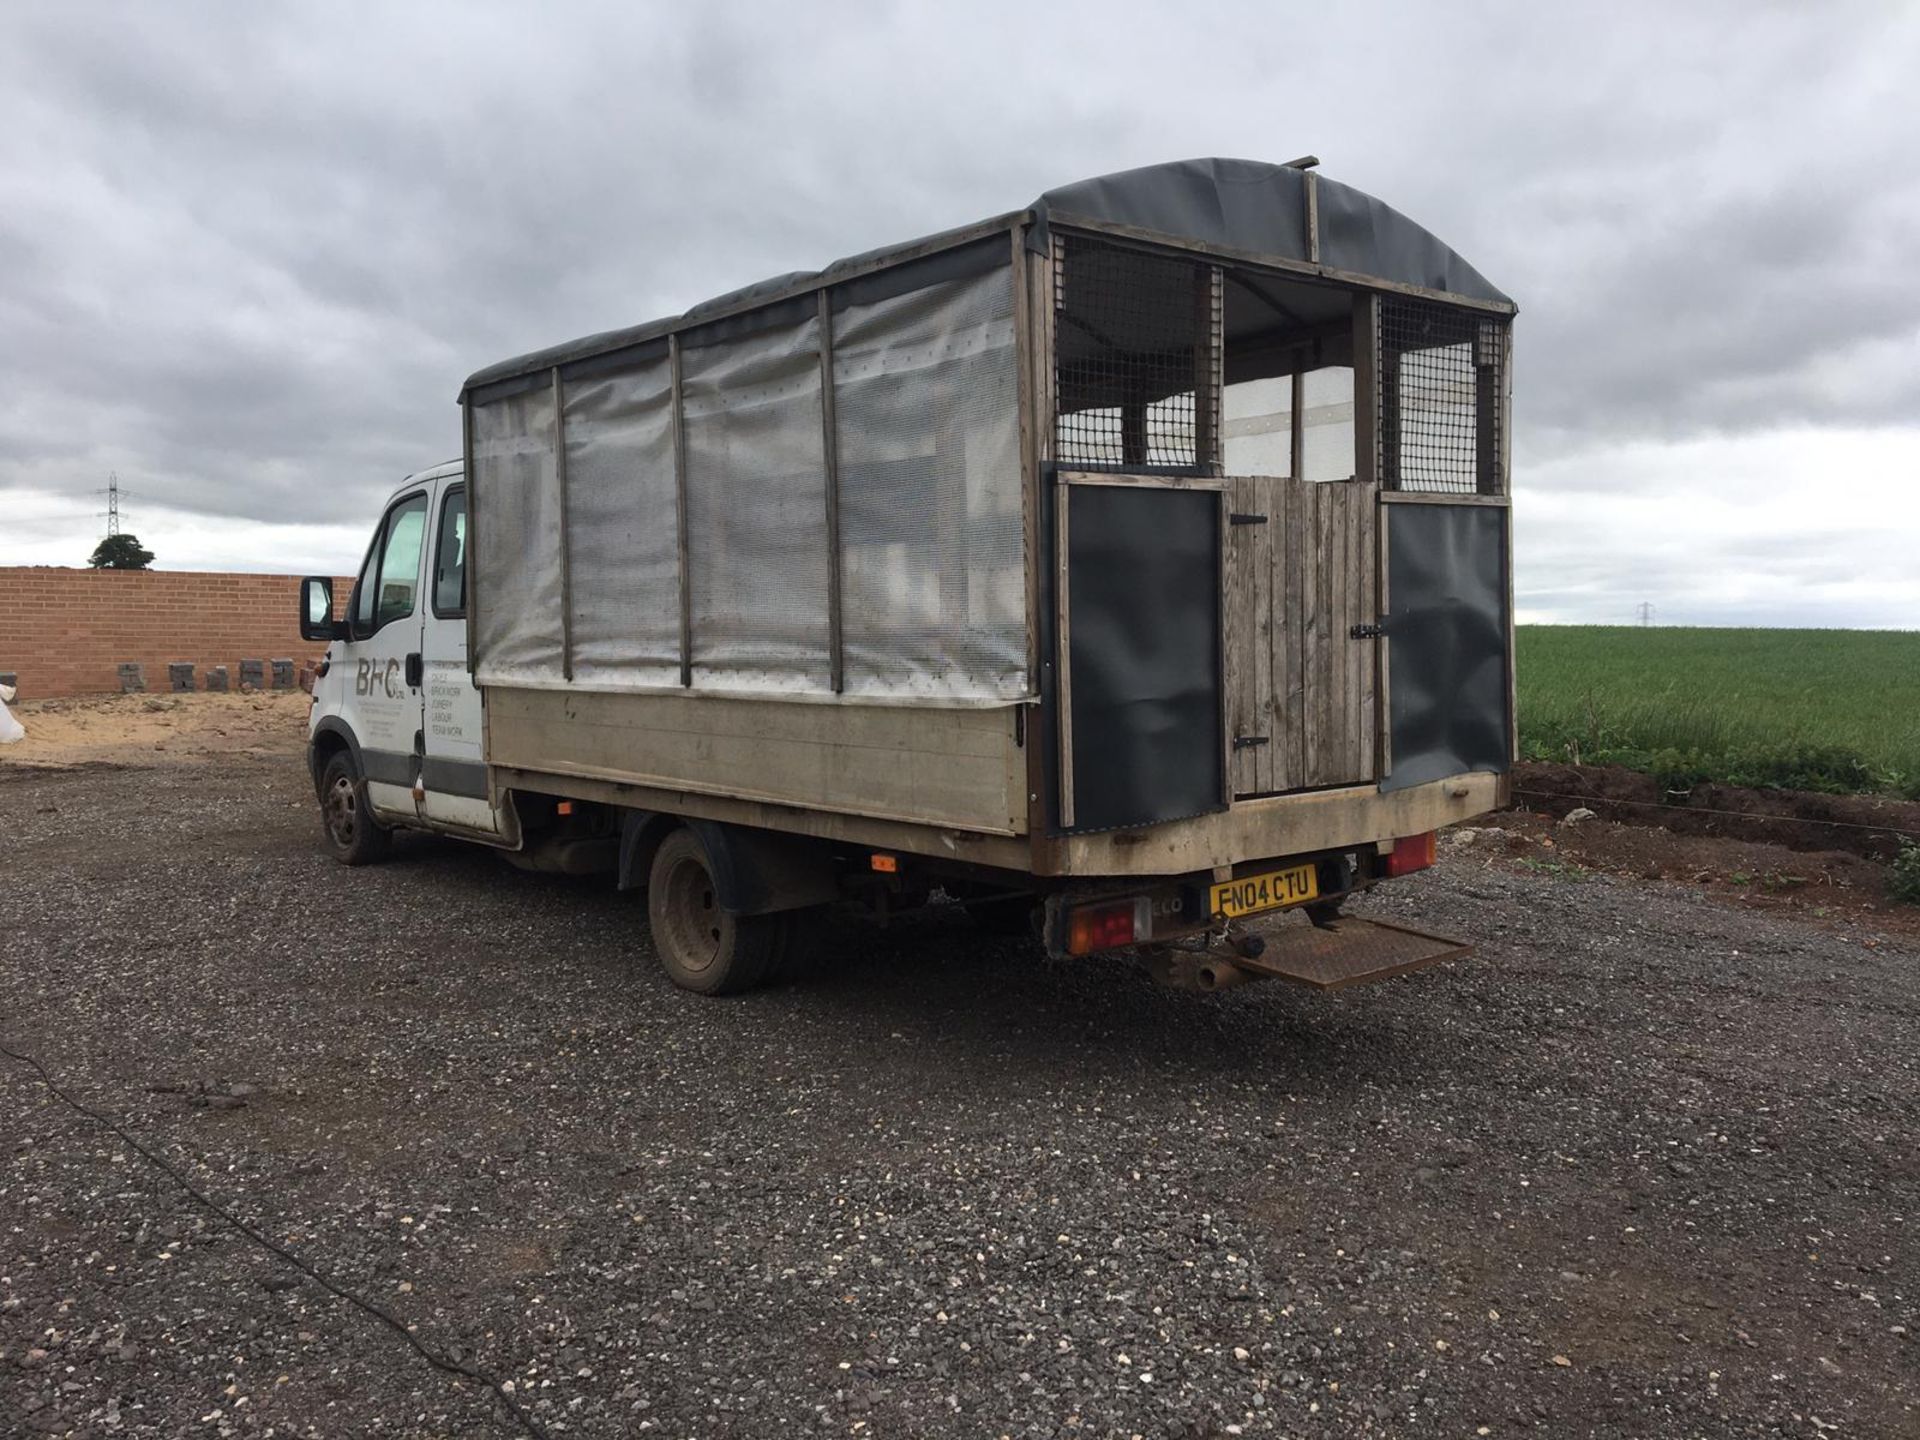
353 835
703 947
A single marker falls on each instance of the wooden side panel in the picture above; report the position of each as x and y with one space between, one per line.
1283 825
1334 525
1289 598
1363 655
1312 530
951 768
1296 588
1356 655
1249 633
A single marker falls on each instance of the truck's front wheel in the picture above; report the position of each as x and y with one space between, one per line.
353 835
704 948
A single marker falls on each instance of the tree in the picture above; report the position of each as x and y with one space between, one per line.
120 552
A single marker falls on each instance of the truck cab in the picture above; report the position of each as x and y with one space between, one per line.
394 736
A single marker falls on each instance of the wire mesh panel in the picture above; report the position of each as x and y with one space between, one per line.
931 539
622 528
1439 387
516 527
757 510
1134 336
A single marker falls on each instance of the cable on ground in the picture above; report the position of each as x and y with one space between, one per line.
433 1357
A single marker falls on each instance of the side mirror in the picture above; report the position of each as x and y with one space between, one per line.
316 610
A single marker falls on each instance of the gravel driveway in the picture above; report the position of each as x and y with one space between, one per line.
1644 1166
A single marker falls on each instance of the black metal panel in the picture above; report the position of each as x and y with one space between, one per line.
1446 641
1143 623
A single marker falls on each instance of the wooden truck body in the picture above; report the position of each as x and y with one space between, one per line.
1144 553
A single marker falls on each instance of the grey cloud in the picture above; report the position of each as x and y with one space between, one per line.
247 255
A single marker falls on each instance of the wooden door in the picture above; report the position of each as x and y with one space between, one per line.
1302 573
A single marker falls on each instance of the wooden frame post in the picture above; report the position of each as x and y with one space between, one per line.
1312 189
1371 414
1487 345
1209 370
680 508
560 490
1505 480
1297 455
1056 293
830 444
471 570
1063 632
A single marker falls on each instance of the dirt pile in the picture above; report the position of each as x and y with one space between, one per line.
93 731
1866 825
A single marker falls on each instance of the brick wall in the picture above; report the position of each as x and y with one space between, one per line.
65 632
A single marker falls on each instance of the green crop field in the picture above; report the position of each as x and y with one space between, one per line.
1835 710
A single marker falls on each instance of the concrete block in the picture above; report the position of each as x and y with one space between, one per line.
283 674
132 679
180 675
254 673
217 677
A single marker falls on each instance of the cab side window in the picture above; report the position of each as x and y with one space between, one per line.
450 557
387 585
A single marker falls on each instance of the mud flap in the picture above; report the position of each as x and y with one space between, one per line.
1350 951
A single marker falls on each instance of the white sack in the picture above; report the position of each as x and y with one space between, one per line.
10 728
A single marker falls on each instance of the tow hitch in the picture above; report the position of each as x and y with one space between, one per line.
1343 952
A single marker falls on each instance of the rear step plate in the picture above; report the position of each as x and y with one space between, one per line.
1351 951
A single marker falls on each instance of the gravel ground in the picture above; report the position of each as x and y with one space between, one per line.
1646 1165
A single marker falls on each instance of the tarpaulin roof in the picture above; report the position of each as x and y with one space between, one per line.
1248 206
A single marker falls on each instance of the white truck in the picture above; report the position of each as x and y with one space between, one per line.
1126 566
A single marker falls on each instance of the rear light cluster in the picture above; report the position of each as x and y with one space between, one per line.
1107 925
1411 853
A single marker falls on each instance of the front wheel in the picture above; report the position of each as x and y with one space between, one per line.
703 947
353 835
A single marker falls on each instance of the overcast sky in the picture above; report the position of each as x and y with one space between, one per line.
248 252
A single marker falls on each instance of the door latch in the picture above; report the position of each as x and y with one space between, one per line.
1367 631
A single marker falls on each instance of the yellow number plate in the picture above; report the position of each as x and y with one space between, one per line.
1251 894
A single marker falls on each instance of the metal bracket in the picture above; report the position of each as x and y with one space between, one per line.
1236 519
1367 632
1247 742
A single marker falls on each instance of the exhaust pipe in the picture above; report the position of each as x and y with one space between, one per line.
1215 974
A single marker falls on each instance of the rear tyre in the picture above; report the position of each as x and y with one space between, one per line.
705 949
353 835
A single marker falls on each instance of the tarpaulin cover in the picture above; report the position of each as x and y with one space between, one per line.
1262 209
926 412
757 511
932 548
933 579
1247 205
1446 641
516 527
622 527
